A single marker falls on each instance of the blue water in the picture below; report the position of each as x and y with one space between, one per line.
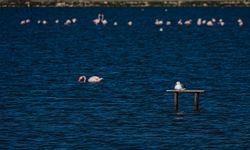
42 105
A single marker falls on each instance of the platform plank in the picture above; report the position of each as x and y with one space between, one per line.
186 91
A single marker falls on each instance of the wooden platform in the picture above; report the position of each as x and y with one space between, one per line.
196 97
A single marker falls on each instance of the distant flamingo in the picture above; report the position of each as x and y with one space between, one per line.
240 22
104 21
22 22
180 22
115 23
27 21
97 20
210 23
130 23
93 79
199 21
158 22
179 86
168 23
74 20
45 22
188 22
67 22
57 21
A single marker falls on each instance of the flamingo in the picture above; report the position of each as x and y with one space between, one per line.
104 21
188 22
38 21
92 79
130 23
22 22
158 22
97 20
180 22
204 21
168 23
74 20
199 22
115 23
221 22
240 22
57 21
45 22
210 23
67 22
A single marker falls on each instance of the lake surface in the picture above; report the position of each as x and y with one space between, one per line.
43 106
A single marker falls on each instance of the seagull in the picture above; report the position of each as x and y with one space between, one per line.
179 86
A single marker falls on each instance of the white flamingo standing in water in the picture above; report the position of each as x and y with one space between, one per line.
240 22
115 23
27 21
168 23
67 22
22 22
45 22
199 21
97 20
104 21
130 23
93 79
158 22
57 21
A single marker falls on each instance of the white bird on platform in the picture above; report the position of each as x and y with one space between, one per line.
179 86
93 79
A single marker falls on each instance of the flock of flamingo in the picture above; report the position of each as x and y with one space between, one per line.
101 20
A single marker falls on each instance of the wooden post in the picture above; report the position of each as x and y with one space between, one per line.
196 97
196 102
176 102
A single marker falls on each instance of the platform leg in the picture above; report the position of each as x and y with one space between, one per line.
176 102
196 102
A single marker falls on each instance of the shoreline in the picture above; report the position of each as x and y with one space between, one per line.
122 3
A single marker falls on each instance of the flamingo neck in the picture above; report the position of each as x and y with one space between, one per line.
84 79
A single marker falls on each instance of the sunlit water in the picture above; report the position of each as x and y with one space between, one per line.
43 106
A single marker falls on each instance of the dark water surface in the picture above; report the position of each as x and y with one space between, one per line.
42 105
